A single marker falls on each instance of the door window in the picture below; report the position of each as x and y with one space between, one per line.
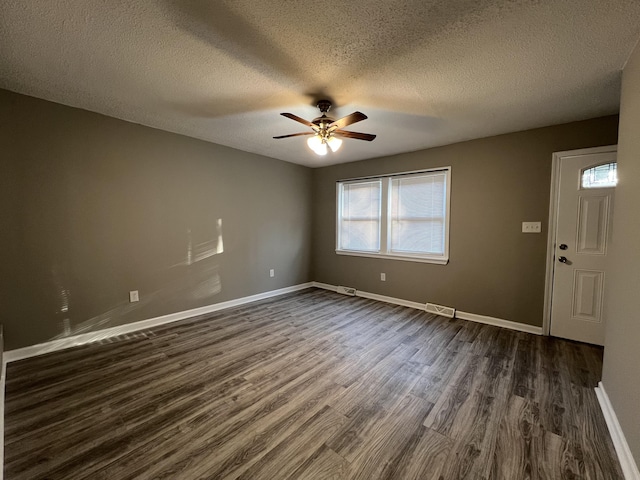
600 176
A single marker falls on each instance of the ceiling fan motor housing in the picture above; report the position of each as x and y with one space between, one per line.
324 106
322 121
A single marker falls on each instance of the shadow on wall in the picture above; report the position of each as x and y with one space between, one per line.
196 277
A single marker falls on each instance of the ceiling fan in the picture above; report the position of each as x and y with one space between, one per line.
326 130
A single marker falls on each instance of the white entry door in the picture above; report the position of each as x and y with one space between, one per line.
583 239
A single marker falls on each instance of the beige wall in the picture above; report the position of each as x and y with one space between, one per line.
621 373
92 207
496 183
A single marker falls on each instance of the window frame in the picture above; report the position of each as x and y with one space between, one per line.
385 218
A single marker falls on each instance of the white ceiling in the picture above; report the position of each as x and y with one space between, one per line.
426 72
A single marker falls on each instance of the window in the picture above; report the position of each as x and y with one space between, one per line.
403 216
600 176
360 216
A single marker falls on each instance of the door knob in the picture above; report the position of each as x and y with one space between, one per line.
563 246
562 259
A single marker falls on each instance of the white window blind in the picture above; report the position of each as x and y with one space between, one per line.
360 216
417 214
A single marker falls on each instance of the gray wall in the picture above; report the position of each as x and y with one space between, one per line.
10 274
621 372
496 183
92 207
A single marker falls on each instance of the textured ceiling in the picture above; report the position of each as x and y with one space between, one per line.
426 72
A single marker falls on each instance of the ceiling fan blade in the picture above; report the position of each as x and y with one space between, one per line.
348 120
357 135
296 134
300 120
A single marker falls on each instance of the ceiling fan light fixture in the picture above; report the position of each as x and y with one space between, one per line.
321 149
334 143
317 144
314 142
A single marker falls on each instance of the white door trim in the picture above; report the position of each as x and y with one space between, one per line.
553 215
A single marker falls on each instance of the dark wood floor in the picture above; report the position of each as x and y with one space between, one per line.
313 385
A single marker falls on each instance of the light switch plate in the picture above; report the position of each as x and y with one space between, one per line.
133 296
531 227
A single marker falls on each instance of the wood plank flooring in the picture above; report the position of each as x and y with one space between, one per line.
311 385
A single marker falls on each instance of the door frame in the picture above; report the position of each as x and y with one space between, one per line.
553 216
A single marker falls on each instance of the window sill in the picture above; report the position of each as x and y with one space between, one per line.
395 256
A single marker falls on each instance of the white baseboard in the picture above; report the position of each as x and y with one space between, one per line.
628 464
82 339
325 286
373 296
393 300
497 322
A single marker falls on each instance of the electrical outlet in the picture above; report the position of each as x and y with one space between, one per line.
272 273
383 277
134 296
531 227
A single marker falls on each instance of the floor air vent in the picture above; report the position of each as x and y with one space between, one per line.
347 291
441 310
